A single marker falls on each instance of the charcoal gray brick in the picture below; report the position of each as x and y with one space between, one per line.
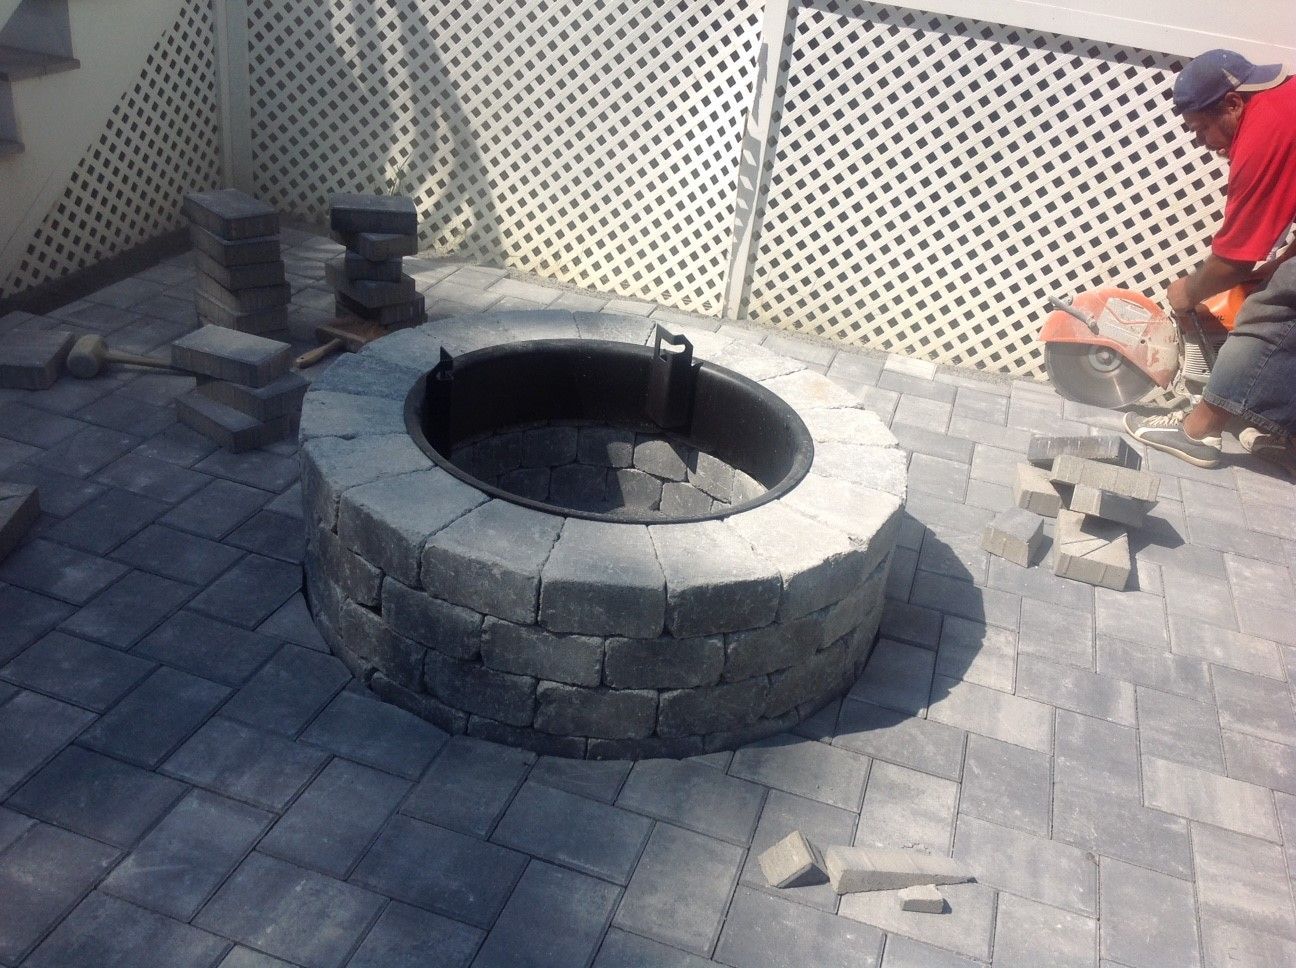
28 616
177 555
97 796
182 861
1123 829
897 737
441 870
816 771
405 935
245 764
765 930
1146 917
906 809
77 671
1035 867
128 609
330 826
694 796
121 933
680 889
714 580
60 572
532 651
63 864
603 579
376 734
288 691
1007 785
663 662
565 829
468 785
207 648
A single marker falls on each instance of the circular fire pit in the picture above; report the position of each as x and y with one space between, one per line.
553 530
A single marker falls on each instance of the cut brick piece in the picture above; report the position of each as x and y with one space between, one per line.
1106 448
373 213
227 355
244 300
1090 550
924 898
1016 534
33 361
352 265
281 398
251 276
852 870
230 214
377 245
239 252
402 314
1035 491
792 862
19 509
1119 480
1109 506
232 429
259 323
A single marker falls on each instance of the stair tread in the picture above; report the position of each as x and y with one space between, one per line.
18 62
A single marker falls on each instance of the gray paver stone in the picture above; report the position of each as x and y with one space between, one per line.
663 662
19 509
602 713
1124 481
759 651
269 322
328 414
378 245
792 862
712 709
251 275
634 489
868 517
387 521
232 429
33 360
603 579
684 499
712 475
1034 490
532 651
330 465
715 582
852 870
1106 448
1108 505
228 355
490 560
924 898
230 214
281 398
605 447
882 468
385 214
474 688
1015 534
1091 550
547 446
357 578
234 252
661 458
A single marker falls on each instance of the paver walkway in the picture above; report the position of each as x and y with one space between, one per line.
188 778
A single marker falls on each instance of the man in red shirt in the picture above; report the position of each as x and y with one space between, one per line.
1247 113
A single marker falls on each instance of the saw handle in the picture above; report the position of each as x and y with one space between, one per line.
1080 314
311 357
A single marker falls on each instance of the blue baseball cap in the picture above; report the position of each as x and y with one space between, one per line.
1209 77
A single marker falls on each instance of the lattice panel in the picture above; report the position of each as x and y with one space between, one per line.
160 141
937 179
589 141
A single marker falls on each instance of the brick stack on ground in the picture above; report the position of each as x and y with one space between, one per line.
241 283
19 509
1093 487
378 231
246 395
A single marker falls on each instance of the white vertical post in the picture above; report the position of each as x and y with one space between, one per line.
234 93
758 146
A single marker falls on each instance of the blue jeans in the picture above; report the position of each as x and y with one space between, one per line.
1255 375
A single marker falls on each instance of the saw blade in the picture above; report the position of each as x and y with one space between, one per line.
1095 375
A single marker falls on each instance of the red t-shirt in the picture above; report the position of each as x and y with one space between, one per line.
1261 203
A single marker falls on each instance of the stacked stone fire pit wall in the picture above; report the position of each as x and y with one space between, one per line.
579 637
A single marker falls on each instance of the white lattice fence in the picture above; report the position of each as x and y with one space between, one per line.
589 141
160 141
937 179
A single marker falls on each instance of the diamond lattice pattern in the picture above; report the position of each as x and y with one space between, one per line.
160 141
587 141
937 179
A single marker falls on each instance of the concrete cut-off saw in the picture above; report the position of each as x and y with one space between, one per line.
1115 347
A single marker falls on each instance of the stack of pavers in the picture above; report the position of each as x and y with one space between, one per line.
246 396
367 280
1093 488
241 283
19 509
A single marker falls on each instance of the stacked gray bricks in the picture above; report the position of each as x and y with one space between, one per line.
246 396
19 509
241 283
377 230
1094 489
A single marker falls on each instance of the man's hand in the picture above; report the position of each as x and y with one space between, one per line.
1212 276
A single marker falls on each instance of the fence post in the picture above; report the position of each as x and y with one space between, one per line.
760 140
233 93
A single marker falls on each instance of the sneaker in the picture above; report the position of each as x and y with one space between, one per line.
1276 449
1164 431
